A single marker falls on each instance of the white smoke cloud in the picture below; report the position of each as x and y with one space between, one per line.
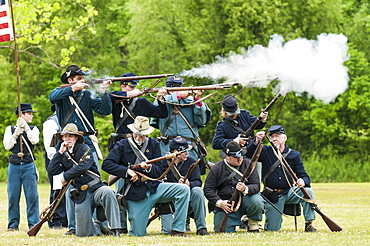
301 65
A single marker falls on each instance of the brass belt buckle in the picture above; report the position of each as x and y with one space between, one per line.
84 187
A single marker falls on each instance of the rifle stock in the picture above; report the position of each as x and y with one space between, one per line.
329 222
48 212
113 79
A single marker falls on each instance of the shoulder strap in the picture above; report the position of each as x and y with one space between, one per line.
139 153
239 129
71 110
274 166
128 112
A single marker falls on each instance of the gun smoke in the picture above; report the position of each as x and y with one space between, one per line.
301 65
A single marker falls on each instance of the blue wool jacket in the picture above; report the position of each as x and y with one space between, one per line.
89 102
142 108
277 179
122 156
226 133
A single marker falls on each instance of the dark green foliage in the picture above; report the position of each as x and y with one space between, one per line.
163 36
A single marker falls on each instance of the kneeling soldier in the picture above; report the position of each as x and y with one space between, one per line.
75 160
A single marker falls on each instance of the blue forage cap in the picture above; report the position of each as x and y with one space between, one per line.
133 82
174 81
276 129
234 149
179 143
72 71
230 105
25 107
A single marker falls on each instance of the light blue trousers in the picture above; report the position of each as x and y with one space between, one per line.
104 196
138 211
252 206
196 205
274 218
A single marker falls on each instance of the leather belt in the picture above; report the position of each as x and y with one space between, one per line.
187 139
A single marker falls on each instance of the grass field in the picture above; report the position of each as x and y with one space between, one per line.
345 203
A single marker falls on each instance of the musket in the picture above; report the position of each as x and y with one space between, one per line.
329 222
191 168
189 88
112 178
250 130
248 171
113 79
47 213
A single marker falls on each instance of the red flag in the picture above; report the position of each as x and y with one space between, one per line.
6 33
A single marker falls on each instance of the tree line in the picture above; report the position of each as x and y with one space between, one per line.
163 36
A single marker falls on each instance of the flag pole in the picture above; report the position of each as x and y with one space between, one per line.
20 154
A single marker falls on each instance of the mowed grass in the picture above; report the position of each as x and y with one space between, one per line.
345 203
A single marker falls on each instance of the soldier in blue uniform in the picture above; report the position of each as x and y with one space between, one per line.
220 184
126 105
22 170
275 180
235 121
143 194
197 115
81 115
75 160
197 201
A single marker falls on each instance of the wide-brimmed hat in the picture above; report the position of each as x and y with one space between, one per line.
230 105
174 81
72 71
234 149
179 143
133 82
25 107
72 129
141 126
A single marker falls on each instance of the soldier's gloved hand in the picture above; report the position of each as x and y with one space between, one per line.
18 131
21 122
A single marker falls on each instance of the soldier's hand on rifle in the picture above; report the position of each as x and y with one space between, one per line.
182 181
241 187
224 205
79 85
133 175
161 93
300 183
240 140
105 85
183 94
264 116
134 93
259 137
198 93
144 165
64 182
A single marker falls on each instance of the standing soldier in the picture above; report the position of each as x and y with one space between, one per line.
22 169
75 104
125 107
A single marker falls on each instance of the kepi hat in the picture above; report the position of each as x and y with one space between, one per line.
141 126
133 82
276 129
234 149
72 71
230 105
174 81
25 107
179 143
72 129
